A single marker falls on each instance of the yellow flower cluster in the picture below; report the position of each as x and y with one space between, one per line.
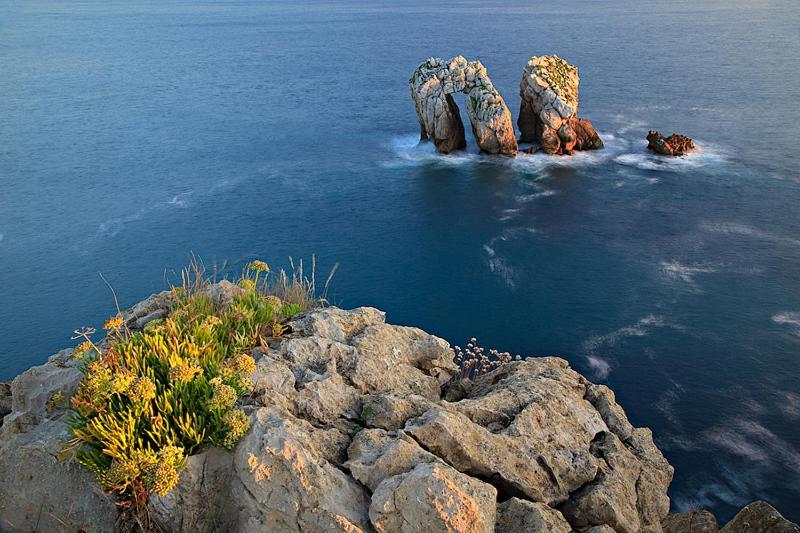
97 386
237 423
163 475
120 473
113 323
242 364
82 349
223 396
212 321
247 284
142 390
184 372
274 302
121 381
258 266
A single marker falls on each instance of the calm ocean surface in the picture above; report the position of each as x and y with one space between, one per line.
132 135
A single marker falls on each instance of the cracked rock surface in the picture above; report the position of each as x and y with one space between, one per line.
548 113
432 86
351 431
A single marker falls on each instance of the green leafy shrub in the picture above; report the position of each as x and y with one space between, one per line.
151 398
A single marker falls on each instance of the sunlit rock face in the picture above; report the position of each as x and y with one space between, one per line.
549 107
432 85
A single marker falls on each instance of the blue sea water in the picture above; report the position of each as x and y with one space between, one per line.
132 134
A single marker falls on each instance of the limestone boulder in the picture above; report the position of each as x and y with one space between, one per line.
312 358
41 392
536 431
523 516
549 106
390 411
285 478
325 400
375 455
336 324
199 502
154 307
432 86
398 359
433 498
39 491
273 379
690 522
759 517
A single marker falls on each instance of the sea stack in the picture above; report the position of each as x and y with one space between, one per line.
432 85
674 145
549 107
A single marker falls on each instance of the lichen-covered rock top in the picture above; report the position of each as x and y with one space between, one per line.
549 106
435 76
356 426
433 83
557 79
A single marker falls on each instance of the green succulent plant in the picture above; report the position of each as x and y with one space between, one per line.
151 398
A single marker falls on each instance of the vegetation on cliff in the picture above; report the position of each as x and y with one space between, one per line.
151 398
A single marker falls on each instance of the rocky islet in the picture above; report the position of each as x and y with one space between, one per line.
548 114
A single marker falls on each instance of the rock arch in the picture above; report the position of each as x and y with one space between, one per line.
549 106
432 85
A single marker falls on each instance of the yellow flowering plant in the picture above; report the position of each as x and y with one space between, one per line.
151 398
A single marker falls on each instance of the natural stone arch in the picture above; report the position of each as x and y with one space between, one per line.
549 106
432 85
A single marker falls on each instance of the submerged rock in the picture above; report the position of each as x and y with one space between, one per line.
351 431
549 107
674 145
432 85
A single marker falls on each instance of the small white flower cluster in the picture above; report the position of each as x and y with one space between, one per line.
474 360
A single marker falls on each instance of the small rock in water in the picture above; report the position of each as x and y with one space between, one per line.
674 145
